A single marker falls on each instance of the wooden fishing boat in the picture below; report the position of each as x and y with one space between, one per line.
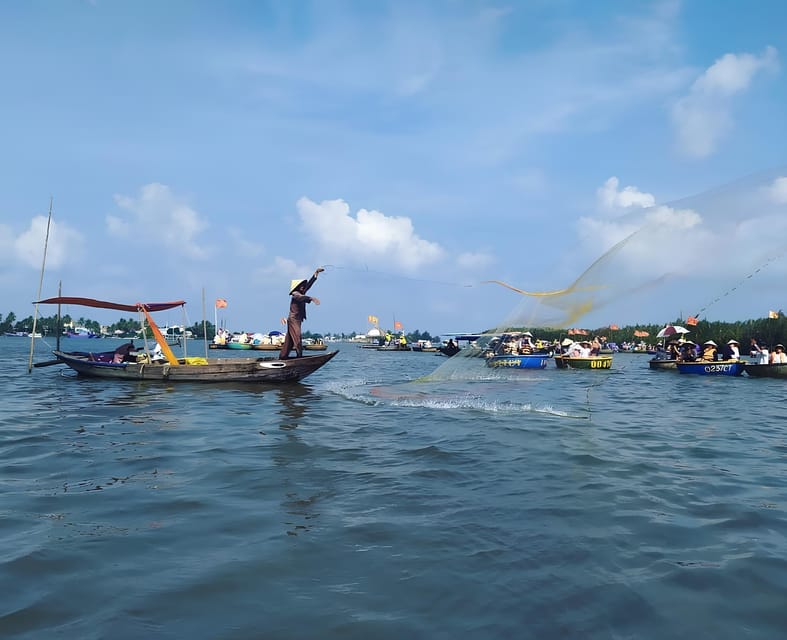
577 362
531 361
266 347
778 370
314 345
173 369
714 368
252 370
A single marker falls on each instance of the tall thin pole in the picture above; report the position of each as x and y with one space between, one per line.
59 323
40 286
204 324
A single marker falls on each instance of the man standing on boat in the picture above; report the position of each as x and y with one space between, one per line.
298 302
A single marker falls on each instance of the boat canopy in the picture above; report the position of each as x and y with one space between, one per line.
101 304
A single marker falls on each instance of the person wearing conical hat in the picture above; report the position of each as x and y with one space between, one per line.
298 302
777 355
709 350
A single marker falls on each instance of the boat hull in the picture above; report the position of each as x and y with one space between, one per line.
671 365
766 370
538 361
214 370
592 362
716 368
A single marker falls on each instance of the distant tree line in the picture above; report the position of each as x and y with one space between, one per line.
767 331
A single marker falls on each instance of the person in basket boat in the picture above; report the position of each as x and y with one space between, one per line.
709 349
777 355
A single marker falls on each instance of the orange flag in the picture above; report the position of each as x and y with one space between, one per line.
221 303
692 321
614 327
397 326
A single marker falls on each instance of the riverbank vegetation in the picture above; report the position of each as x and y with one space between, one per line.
765 330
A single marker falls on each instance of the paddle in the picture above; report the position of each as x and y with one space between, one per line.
47 363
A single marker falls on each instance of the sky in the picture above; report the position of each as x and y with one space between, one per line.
417 150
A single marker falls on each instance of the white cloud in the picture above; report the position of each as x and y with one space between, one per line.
474 260
65 245
778 190
650 232
165 218
703 117
243 245
118 227
612 200
369 236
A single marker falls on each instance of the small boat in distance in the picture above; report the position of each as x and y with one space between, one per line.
713 368
516 350
80 332
777 370
578 362
314 344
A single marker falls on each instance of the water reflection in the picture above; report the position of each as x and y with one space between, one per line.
294 399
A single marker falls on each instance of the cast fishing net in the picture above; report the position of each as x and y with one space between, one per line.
686 256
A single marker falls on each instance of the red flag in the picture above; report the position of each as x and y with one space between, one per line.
221 303
397 325
614 327
692 321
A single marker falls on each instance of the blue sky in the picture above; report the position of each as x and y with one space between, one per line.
417 149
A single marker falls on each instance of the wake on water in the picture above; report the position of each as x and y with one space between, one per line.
681 254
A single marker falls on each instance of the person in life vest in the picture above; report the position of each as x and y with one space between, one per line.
298 302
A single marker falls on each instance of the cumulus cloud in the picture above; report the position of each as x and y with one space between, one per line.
646 227
170 221
613 200
118 227
703 117
65 245
368 236
778 190
474 260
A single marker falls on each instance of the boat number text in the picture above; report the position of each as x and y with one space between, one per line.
718 368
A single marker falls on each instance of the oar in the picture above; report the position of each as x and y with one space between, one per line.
47 363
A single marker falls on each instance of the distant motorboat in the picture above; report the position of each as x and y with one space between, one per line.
81 332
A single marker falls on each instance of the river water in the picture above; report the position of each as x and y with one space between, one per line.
369 502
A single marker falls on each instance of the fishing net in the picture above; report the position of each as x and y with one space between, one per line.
687 256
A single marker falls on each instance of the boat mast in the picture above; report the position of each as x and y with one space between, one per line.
40 285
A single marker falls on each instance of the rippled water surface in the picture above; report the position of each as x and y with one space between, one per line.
375 500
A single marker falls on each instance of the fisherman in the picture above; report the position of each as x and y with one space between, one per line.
298 302
123 353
